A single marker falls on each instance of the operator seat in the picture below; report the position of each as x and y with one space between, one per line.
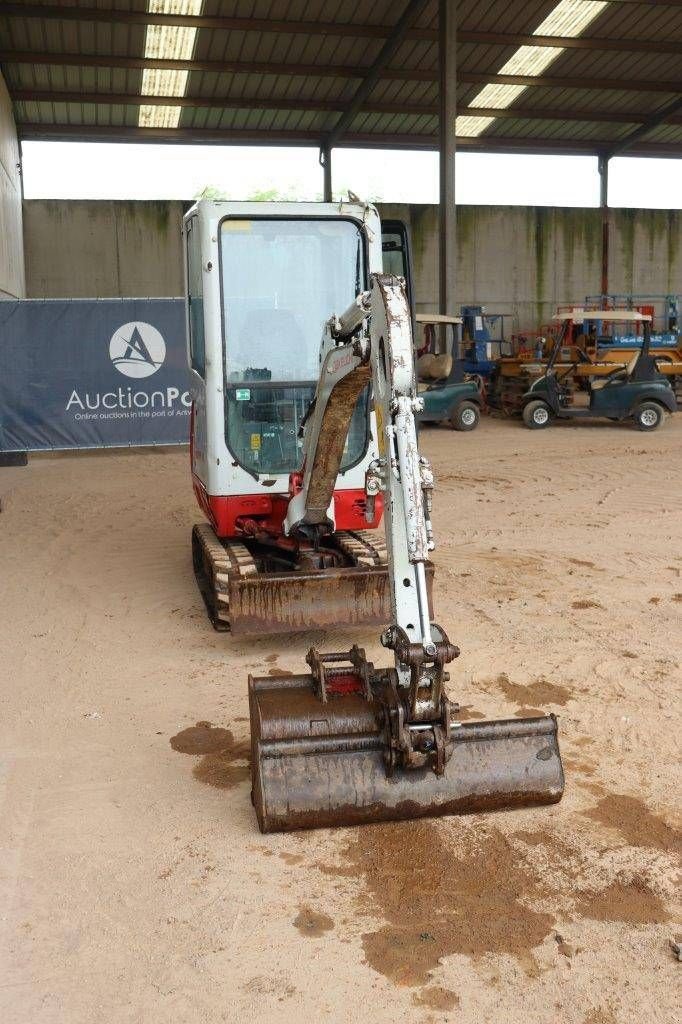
623 374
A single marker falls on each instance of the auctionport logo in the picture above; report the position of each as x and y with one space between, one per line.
137 349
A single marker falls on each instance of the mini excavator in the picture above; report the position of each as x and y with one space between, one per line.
293 469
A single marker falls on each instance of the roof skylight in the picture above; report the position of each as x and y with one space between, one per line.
569 18
167 42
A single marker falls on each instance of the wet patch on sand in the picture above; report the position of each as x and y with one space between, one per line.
528 713
581 767
312 923
631 902
291 858
225 762
637 824
539 692
585 603
221 771
279 672
476 892
202 738
467 713
467 901
435 997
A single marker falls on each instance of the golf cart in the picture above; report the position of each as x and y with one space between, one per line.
446 394
635 390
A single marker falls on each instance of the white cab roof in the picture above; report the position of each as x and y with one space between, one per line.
618 315
437 318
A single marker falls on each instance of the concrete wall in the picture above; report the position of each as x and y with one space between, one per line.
11 238
520 260
102 248
528 260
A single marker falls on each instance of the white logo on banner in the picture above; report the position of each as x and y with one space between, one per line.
137 349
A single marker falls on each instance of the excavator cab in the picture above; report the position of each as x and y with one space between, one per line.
261 281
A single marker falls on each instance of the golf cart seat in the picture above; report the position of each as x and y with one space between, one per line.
623 373
441 367
431 367
424 366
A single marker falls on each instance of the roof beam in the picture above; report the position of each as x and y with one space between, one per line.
219 66
109 99
551 82
373 74
661 117
571 42
330 71
326 28
220 103
368 140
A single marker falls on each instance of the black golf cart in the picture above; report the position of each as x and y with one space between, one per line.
637 390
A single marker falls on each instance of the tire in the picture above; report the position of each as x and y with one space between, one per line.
466 416
537 415
649 416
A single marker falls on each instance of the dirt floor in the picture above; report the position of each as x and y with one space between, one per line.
134 884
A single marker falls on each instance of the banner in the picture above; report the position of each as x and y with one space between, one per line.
92 373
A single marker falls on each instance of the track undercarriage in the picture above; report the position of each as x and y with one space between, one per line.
256 586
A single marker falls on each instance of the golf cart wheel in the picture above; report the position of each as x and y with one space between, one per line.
465 416
537 415
649 416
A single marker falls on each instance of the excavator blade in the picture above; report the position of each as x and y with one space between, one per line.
248 601
270 603
320 764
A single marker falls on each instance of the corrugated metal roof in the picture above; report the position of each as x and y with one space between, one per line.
260 80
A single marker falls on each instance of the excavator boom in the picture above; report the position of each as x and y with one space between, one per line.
349 743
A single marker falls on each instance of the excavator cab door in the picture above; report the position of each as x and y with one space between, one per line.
196 342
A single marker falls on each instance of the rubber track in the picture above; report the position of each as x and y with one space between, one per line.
218 562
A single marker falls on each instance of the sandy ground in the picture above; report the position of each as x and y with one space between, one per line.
135 886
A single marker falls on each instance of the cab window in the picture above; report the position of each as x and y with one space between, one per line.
195 299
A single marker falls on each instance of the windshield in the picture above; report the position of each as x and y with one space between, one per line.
281 281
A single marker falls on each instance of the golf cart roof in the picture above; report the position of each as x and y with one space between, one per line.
437 318
617 315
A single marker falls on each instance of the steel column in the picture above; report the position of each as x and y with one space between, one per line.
447 48
605 220
326 162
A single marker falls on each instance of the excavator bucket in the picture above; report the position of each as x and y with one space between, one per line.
325 763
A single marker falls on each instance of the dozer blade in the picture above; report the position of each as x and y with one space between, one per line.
320 764
247 601
290 602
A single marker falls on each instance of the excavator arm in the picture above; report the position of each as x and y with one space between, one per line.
349 743
372 341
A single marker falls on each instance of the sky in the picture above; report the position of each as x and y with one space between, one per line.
94 170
